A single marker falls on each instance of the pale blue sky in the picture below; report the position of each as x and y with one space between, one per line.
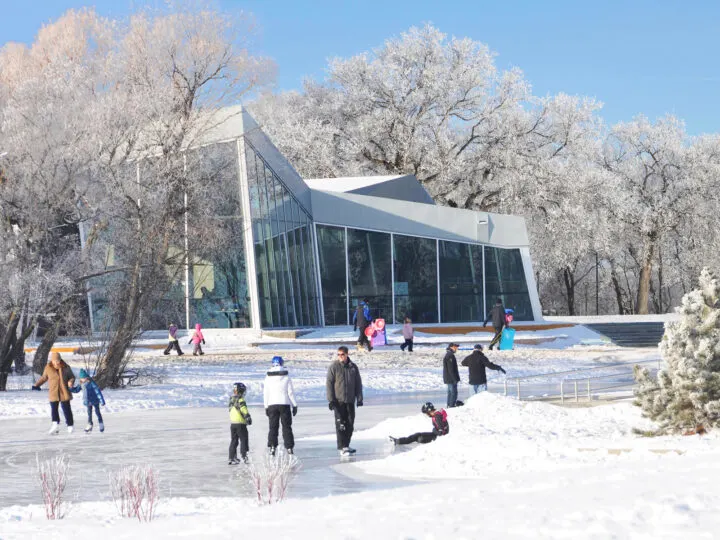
645 56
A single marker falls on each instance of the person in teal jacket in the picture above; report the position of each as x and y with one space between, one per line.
240 419
92 399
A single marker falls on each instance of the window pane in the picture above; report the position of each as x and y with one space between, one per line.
461 282
331 248
370 271
505 279
415 279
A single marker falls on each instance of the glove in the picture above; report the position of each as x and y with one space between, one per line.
267 413
76 389
332 405
203 342
341 425
190 342
504 372
249 420
35 388
360 403
294 411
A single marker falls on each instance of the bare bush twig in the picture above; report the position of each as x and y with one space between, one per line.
52 475
135 491
271 479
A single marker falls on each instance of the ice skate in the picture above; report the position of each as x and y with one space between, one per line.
88 428
71 429
272 450
351 450
290 451
102 427
245 460
393 439
234 461
344 452
54 428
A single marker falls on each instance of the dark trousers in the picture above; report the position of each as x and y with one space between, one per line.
363 339
276 414
173 345
408 343
422 438
344 424
67 412
238 432
197 350
496 338
451 394
90 408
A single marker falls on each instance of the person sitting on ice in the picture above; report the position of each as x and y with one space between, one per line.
439 423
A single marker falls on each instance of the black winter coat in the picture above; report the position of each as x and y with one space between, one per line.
497 314
343 383
477 362
451 374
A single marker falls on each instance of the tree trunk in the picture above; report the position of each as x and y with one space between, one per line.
40 359
569 280
619 297
643 295
6 349
111 364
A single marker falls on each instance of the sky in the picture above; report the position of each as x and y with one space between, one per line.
649 57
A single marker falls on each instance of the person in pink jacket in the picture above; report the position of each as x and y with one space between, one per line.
197 338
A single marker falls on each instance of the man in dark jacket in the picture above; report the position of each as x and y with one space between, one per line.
477 362
451 376
361 320
497 314
344 389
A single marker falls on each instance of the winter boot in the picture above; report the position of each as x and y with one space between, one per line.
345 452
393 439
245 460
272 450
351 450
88 428
70 429
290 451
102 427
54 428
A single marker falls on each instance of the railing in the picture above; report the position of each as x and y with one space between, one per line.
576 376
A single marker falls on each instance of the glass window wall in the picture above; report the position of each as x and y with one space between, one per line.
333 279
415 287
505 279
370 271
461 282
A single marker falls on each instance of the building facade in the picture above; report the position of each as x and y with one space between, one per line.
302 252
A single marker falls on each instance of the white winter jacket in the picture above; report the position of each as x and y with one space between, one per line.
278 389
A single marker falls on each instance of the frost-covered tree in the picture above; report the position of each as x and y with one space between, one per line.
686 392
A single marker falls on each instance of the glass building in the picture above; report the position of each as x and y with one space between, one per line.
302 252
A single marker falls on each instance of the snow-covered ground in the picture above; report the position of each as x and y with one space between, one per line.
508 469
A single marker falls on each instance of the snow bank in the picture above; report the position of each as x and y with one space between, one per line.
494 434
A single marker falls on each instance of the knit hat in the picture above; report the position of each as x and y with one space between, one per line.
453 345
277 361
84 374
478 347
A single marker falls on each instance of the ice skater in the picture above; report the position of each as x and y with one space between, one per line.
173 342
477 362
240 419
451 375
361 320
92 399
440 427
280 405
344 388
497 314
61 379
197 338
408 333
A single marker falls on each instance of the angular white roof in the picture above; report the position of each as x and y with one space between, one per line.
404 187
347 183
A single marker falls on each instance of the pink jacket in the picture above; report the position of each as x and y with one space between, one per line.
408 331
197 336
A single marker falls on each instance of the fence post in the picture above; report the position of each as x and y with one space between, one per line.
588 384
576 394
562 391
505 385
518 388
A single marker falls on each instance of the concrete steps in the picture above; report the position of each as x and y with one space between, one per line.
641 334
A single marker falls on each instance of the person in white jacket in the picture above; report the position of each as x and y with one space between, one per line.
280 405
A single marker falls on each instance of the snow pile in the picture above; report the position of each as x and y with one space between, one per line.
494 434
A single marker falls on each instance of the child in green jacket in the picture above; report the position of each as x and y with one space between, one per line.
239 421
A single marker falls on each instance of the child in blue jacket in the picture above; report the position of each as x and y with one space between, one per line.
92 399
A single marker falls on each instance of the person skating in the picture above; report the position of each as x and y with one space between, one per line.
451 375
280 405
439 423
344 388
173 342
361 320
61 379
408 333
477 362
197 338
240 419
92 399
497 315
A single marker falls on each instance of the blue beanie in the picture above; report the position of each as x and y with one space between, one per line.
84 374
277 361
